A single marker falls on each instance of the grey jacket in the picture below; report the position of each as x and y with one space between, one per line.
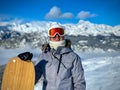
61 69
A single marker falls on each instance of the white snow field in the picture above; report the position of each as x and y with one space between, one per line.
102 69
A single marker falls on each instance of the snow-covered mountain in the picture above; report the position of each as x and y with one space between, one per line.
84 35
90 41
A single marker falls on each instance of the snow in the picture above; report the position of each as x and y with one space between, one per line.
102 69
81 28
84 35
6 54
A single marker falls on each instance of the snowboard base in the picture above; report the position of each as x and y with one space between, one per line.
18 75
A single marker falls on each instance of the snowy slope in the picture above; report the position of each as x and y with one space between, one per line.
102 69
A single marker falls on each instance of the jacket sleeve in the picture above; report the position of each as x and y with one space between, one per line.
38 69
78 75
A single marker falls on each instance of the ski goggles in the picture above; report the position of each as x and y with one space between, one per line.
54 31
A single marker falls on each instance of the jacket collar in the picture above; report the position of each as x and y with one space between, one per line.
62 50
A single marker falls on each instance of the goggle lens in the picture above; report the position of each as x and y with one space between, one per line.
54 31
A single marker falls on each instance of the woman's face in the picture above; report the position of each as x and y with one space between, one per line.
57 38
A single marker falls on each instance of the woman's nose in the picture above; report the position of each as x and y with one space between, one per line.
57 37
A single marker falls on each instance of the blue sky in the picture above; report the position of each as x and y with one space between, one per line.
63 11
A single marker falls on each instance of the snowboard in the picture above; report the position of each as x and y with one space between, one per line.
18 75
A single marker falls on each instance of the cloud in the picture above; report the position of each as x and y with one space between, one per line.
55 12
5 17
4 23
9 18
85 14
67 15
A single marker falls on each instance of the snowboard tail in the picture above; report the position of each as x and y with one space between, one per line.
18 75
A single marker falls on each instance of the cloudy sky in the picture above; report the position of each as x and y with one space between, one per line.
63 11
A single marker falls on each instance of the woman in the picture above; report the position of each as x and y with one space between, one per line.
60 66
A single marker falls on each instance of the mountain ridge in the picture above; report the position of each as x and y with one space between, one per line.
14 35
